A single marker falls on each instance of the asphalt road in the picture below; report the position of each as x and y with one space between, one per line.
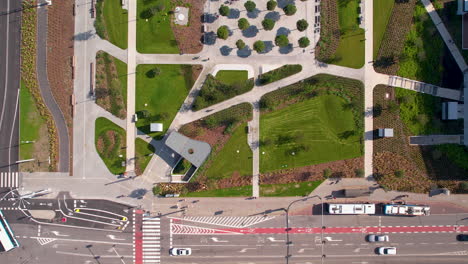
413 246
9 84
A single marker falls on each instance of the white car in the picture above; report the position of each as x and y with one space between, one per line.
387 250
377 238
180 251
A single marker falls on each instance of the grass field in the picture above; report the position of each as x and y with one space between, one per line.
423 50
231 77
30 123
382 12
289 189
112 21
154 35
243 191
317 130
350 52
111 148
163 94
143 152
236 156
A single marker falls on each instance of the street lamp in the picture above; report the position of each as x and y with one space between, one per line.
288 228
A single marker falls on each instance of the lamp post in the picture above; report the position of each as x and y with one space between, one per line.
288 228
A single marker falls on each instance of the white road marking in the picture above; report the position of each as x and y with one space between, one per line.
215 239
57 233
245 250
330 239
114 237
272 239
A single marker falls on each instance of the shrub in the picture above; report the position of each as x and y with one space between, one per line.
393 107
327 173
304 42
224 10
359 173
250 6
240 44
280 73
223 32
153 72
281 41
399 174
271 5
268 24
290 9
464 186
243 24
157 190
302 25
259 46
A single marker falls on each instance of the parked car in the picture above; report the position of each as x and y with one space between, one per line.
386 250
462 237
180 251
377 238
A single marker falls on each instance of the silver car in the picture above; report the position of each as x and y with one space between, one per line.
180 251
386 250
377 238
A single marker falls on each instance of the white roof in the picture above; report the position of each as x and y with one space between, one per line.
156 127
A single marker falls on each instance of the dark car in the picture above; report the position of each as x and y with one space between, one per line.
462 237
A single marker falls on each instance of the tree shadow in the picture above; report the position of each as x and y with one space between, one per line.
273 16
245 52
283 31
84 35
225 50
250 32
268 46
283 3
234 14
208 18
286 49
253 14
209 38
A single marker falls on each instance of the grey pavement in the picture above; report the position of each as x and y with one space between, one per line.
10 25
254 143
49 100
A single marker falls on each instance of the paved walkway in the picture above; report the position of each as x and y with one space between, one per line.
445 35
49 100
254 143
397 81
104 45
428 140
131 70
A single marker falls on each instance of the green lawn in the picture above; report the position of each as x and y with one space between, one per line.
350 52
243 191
122 72
30 123
289 189
317 130
112 148
154 35
231 77
163 94
112 21
422 54
143 152
236 156
382 13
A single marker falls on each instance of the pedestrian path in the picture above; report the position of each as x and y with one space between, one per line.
230 221
9 180
151 240
426 88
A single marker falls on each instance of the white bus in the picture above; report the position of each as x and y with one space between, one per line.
351 209
7 238
407 209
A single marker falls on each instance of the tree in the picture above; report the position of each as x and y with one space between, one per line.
359 173
304 42
240 44
223 32
259 46
302 25
290 9
271 5
327 173
464 186
266 102
268 24
250 6
243 24
153 72
281 41
224 10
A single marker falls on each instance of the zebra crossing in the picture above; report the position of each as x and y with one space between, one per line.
230 221
9 179
151 240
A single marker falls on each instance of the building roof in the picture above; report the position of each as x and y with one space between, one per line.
196 152
156 127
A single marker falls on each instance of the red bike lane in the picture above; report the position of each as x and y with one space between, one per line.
138 237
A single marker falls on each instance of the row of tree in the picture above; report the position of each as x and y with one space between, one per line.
250 6
268 24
